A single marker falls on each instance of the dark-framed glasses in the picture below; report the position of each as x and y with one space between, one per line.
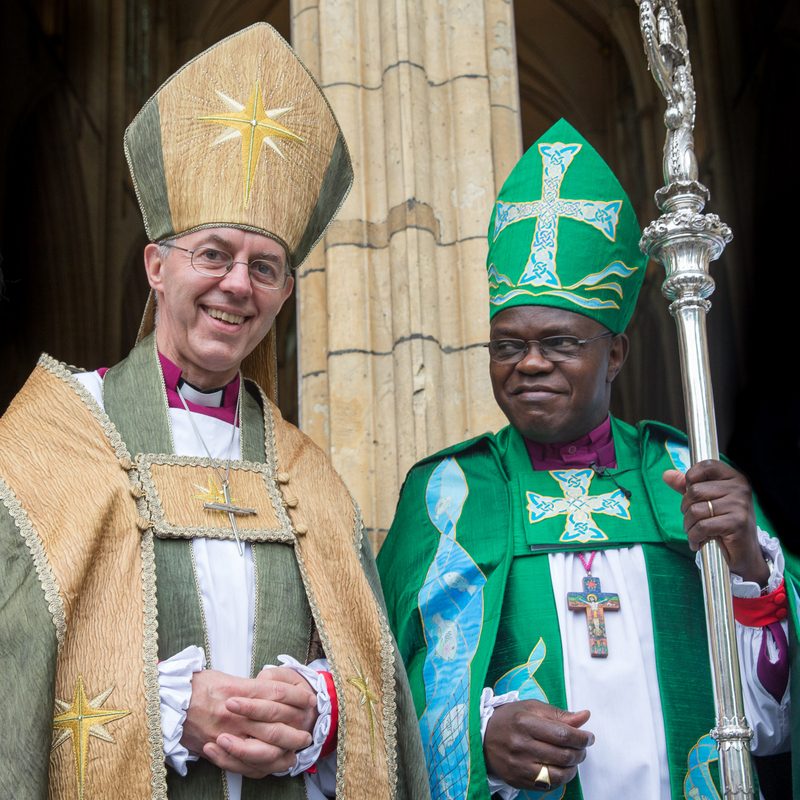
215 263
552 348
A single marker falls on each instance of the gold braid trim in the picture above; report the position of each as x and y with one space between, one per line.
158 772
389 704
64 373
388 663
270 451
40 561
271 462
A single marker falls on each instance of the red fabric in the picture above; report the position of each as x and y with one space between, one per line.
330 743
757 612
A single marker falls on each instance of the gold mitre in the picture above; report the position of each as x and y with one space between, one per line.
240 137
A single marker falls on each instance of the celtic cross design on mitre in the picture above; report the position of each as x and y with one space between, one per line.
600 214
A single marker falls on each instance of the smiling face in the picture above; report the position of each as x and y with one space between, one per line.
207 325
555 402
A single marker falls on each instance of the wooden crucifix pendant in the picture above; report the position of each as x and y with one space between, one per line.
595 603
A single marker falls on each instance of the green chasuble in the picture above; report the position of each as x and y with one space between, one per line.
467 581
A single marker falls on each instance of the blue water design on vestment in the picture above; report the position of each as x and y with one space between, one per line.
680 454
521 679
451 606
698 783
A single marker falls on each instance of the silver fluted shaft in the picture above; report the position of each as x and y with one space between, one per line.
685 241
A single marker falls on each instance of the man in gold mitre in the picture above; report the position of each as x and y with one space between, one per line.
188 604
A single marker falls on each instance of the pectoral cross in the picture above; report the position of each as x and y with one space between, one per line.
595 603
231 510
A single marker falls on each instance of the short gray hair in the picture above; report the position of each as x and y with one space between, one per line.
164 246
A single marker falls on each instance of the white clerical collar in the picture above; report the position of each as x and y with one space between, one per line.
211 398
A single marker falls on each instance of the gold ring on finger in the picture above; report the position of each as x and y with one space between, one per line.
542 780
710 508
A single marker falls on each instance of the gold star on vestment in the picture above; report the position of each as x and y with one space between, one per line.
80 720
368 699
255 125
210 494
213 493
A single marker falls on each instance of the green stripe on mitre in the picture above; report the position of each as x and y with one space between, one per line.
143 150
563 233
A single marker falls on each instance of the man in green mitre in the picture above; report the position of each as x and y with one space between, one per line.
541 581
167 537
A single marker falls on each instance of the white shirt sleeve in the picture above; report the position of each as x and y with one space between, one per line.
308 756
322 783
771 548
489 702
175 693
768 717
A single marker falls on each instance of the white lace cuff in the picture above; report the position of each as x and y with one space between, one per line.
175 693
489 702
308 756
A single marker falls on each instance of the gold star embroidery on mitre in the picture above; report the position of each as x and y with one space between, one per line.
80 720
254 125
213 493
367 699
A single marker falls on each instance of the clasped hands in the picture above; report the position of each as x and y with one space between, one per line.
252 726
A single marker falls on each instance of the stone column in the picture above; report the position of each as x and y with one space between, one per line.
393 305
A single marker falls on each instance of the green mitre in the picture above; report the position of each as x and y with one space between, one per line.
563 233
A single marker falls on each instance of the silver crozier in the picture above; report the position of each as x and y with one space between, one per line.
684 241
